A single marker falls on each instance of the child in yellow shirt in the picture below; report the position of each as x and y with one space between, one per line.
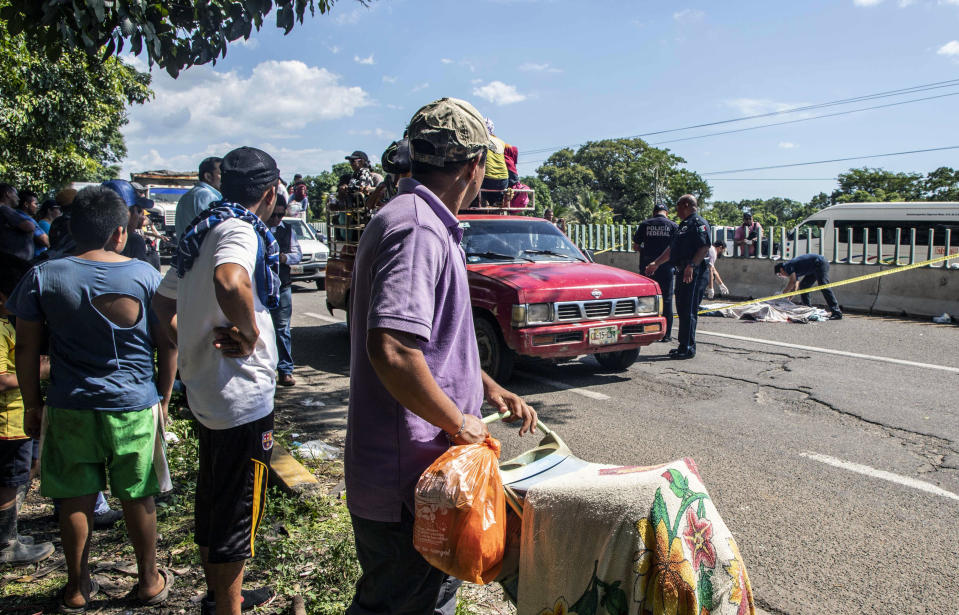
16 448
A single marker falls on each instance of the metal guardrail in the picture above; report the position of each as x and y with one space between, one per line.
849 245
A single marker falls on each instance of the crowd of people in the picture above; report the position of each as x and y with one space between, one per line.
83 304
94 315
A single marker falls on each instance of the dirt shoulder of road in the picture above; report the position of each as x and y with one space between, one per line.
304 546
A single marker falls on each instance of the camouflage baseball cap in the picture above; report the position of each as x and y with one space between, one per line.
453 127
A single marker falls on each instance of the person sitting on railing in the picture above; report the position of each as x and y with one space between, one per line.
497 174
747 236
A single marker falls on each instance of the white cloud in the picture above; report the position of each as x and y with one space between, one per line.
756 106
787 145
377 132
866 2
446 61
250 43
688 15
389 79
206 105
952 2
535 67
949 49
353 17
334 49
366 60
307 161
499 93
904 3
419 87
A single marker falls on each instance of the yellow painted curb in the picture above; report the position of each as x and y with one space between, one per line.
288 473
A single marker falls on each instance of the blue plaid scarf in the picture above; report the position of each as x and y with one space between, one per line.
266 275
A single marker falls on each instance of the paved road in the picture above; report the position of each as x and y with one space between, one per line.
838 475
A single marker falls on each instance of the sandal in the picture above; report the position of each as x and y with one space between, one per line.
63 607
160 596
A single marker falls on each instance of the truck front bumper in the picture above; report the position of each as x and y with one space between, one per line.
573 339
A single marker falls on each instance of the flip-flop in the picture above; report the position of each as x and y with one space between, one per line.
160 596
63 607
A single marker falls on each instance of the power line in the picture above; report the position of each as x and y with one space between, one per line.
805 119
889 93
804 164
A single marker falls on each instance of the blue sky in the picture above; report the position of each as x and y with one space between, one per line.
557 72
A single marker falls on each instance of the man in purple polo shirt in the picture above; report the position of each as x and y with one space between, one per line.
415 380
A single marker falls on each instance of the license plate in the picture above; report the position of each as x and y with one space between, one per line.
601 336
296 269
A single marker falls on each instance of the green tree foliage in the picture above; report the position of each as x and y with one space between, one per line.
541 198
60 120
319 187
174 34
768 212
867 185
589 209
624 173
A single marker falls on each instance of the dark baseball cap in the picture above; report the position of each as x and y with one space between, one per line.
248 165
360 155
660 207
396 158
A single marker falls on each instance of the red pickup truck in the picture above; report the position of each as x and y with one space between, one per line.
534 293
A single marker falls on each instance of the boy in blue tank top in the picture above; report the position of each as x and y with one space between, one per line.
102 416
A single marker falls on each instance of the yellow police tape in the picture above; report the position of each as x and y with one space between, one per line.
861 278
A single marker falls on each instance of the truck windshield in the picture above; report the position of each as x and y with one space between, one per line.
300 228
486 241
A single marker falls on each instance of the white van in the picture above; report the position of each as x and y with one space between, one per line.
861 232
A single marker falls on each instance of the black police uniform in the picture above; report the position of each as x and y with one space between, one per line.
690 237
653 237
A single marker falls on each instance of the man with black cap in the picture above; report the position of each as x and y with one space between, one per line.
222 285
651 239
416 385
362 181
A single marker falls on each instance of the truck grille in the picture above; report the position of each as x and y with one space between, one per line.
169 217
568 311
594 310
307 258
598 309
633 329
625 307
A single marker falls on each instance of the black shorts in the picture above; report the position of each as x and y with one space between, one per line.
231 488
16 457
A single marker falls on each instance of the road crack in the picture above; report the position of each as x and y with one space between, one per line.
937 453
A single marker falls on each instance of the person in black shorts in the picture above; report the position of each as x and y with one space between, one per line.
222 287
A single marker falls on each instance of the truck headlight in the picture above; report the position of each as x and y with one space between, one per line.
647 305
532 314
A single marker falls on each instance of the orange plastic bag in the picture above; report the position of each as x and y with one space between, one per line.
460 525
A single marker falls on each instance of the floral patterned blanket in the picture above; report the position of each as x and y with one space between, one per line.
629 540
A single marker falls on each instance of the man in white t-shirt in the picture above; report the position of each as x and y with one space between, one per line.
216 300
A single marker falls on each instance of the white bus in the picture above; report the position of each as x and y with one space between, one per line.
908 231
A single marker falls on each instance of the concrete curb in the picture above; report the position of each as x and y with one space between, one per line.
289 474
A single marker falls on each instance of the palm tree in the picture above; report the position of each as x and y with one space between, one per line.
588 209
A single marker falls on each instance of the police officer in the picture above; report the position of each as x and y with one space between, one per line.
652 239
687 253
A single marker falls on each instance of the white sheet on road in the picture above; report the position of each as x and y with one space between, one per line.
779 310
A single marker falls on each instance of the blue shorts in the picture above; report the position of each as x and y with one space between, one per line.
16 457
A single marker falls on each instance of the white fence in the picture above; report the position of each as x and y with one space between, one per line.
851 245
